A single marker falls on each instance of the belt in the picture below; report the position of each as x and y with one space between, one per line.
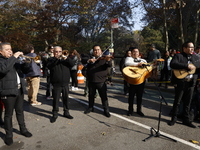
188 79
19 86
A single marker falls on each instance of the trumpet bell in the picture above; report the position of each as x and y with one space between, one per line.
65 52
38 57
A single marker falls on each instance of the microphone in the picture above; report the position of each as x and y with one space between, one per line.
145 65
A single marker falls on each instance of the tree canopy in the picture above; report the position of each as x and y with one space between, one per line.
79 24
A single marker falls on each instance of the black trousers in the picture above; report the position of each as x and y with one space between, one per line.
138 91
48 86
183 92
102 90
165 74
1 110
11 103
126 87
56 92
74 78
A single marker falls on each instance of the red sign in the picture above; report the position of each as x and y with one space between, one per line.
114 20
114 23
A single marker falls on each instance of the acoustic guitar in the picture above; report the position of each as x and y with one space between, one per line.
182 73
137 75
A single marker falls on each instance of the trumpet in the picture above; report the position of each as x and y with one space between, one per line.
28 59
65 54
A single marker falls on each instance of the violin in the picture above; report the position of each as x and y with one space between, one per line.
106 57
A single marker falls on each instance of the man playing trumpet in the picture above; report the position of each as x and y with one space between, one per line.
12 88
59 67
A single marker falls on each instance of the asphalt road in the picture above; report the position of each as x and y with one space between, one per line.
96 132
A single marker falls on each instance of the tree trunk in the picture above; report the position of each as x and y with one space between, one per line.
180 19
165 27
196 27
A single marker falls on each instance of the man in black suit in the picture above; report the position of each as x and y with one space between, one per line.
96 75
184 88
59 67
12 88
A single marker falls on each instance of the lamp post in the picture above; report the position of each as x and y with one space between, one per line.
114 24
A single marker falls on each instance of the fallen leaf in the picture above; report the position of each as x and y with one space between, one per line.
195 142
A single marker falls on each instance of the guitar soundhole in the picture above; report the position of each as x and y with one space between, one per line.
133 70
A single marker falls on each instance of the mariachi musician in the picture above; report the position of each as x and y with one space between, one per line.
135 89
59 67
184 85
96 75
12 89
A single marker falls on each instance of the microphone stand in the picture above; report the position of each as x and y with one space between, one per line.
152 130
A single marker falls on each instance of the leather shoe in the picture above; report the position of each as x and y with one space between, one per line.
26 134
53 119
130 113
87 111
68 116
189 124
8 141
140 113
173 121
107 114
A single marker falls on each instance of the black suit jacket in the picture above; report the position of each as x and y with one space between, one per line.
180 61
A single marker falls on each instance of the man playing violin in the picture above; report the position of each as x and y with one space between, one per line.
184 87
138 89
59 67
96 75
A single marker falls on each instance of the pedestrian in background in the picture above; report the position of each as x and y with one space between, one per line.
74 55
84 59
172 52
165 69
121 67
33 75
1 103
46 71
152 55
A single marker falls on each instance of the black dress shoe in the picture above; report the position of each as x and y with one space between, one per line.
87 111
130 113
26 134
8 141
173 121
68 116
189 124
107 114
140 113
53 119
